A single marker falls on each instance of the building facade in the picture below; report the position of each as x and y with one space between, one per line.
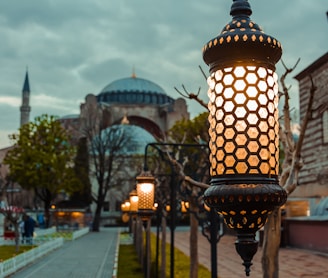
313 177
310 197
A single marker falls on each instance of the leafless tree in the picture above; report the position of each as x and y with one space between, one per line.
106 146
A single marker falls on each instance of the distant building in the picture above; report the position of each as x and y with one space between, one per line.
313 177
144 111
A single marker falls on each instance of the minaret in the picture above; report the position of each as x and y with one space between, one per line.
25 108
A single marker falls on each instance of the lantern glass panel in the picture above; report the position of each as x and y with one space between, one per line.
251 91
146 196
243 103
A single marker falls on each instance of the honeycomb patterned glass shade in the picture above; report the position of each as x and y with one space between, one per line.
243 106
146 196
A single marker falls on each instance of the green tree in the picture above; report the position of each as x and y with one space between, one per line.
81 168
191 131
42 160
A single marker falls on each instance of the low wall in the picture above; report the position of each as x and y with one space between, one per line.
307 233
10 266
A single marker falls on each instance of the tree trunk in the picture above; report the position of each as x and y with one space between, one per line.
47 214
96 219
16 225
271 243
193 238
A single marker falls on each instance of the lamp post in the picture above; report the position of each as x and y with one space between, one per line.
146 195
133 197
212 229
125 208
173 188
243 118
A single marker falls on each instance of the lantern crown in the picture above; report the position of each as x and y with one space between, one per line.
242 42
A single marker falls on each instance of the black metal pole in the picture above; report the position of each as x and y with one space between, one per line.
213 241
159 217
147 249
173 191
173 220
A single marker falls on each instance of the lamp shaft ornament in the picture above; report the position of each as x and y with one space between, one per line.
243 118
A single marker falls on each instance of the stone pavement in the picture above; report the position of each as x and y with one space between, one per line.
94 256
91 256
293 263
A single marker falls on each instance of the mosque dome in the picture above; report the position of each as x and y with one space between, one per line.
135 144
133 90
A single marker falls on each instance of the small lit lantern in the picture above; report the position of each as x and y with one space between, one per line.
146 195
184 206
133 202
125 207
243 118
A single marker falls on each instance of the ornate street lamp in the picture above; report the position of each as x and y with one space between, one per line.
133 197
125 208
243 118
146 195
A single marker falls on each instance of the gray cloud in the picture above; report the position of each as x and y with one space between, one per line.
73 48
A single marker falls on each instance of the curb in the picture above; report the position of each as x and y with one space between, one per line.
114 275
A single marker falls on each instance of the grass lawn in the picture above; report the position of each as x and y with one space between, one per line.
65 235
129 266
9 251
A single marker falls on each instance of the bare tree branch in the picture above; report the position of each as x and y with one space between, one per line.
297 164
196 183
189 95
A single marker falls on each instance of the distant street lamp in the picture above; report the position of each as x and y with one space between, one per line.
125 207
243 118
133 198
146 195
172 207
146 199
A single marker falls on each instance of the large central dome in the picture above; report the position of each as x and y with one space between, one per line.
135 91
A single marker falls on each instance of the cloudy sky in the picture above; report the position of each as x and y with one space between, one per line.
73 48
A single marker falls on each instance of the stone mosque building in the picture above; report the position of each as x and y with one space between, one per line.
145 112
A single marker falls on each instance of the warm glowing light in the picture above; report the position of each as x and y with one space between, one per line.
134 201
243 100
146 187
146 195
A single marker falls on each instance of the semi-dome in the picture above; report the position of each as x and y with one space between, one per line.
134 90
136 138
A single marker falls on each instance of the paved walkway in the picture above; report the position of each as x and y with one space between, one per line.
293 263
91 256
